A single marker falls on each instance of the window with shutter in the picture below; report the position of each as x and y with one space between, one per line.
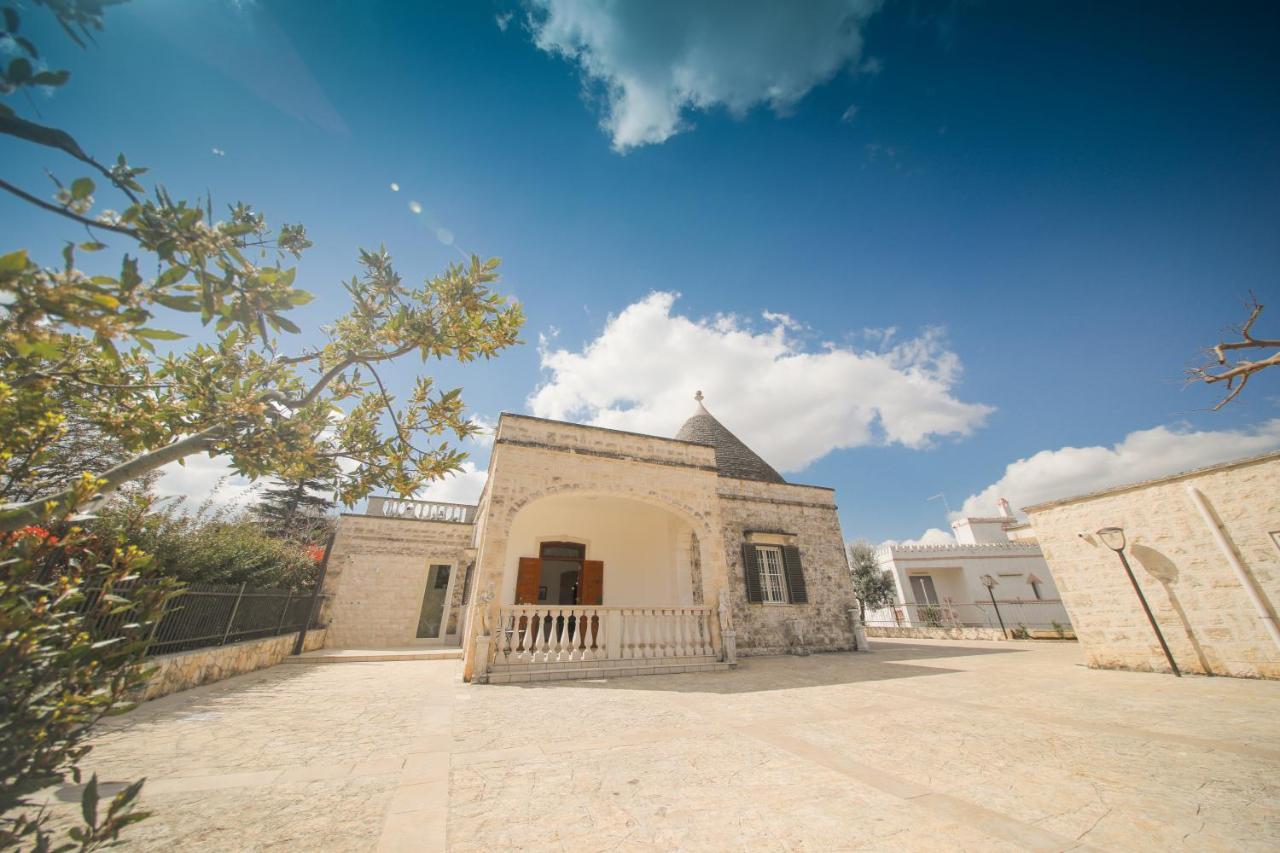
751 573
773 586
795 575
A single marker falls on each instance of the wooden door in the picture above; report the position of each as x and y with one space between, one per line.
528 579
591 591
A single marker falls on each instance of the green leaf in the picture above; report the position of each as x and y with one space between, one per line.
105 300
81 188
51 78
178 303
93 246
14 261
283 323
19 71
172 275
158 334
300 297
89 801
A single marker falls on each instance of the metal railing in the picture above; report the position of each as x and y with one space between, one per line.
204 615
1046 615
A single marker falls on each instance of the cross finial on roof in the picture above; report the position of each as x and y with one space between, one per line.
698 396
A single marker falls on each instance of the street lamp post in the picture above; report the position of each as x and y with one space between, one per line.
1113 538
990 583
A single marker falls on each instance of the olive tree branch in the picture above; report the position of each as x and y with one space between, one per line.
62 211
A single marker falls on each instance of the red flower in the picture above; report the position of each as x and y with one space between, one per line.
315 552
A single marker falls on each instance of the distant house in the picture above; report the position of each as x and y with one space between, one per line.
942 585
598 552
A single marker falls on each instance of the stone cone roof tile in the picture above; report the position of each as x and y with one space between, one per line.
733 458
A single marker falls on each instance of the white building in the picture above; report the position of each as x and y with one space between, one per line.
945 586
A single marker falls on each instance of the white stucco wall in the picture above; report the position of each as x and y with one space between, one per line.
956 570
645 550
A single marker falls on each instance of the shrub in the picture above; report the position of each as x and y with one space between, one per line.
60 671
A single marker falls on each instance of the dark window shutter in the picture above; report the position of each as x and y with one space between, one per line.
751 572
795 575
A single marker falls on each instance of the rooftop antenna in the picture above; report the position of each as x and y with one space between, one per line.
944 502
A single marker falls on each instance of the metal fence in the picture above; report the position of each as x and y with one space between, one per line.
213 615
1042 616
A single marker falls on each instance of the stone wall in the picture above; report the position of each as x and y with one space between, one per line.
809 514
922 633
1198 600
185 670
377 575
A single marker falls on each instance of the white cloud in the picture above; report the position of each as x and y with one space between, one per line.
218 152
484 438
655 61
503 20
1140 455
932 536
790 405
205 478
395 188
849 114
415 207
463 487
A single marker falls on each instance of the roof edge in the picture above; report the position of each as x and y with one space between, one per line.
1154 481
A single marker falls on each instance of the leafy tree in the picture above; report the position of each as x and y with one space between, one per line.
871 584
296 509
208 544
71 444
61 670
100 336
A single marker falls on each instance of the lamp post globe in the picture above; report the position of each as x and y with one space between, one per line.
1112 537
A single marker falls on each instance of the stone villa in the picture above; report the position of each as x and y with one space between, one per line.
597 552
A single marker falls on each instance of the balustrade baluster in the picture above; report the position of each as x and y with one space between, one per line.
542 640
589 630
683 644
526 652
504 636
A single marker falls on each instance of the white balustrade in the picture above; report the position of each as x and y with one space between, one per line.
535 633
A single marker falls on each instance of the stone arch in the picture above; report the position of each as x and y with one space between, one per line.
695 519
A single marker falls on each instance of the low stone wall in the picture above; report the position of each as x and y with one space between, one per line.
184 670
923 633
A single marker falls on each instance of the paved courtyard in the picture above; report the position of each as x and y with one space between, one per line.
923 745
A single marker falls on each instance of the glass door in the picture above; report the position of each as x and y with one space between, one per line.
434 599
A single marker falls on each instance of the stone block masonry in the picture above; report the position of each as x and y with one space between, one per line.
807 513
377 575
1196 594
185 670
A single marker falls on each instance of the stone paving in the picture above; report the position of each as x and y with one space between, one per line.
923 745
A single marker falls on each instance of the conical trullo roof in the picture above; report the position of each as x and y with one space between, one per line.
733 458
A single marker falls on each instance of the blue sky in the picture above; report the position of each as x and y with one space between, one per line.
1053 205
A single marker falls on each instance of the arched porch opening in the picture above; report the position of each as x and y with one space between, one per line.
642 553
594 582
